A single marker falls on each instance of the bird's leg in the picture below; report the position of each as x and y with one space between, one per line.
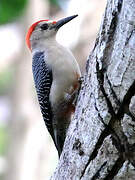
71 98
75 94
80 80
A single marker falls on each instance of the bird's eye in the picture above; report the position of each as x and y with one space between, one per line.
44 26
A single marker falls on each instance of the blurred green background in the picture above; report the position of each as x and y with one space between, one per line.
26 149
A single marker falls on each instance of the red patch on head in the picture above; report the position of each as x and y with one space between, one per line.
54 22
31 29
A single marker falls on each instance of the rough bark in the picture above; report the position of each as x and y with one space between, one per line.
100 142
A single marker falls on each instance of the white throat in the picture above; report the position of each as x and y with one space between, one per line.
43 44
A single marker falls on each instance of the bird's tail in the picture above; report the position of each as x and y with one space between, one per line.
61 120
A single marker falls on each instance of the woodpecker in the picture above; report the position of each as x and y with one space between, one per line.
56 76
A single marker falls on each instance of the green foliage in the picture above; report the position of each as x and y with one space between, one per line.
3 140
11 10
54 2
6 80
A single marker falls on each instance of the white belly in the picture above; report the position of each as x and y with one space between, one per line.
65 71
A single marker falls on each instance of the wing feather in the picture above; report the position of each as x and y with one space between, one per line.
43 81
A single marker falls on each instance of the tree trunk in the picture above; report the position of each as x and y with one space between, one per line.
100 142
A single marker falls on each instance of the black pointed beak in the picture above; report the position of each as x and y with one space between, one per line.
63 21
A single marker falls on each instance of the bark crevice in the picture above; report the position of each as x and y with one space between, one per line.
117 166
96 175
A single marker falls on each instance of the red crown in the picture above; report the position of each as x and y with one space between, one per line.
30 30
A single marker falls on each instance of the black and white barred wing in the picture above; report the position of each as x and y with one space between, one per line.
43 81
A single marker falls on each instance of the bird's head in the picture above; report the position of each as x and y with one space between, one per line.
44 29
